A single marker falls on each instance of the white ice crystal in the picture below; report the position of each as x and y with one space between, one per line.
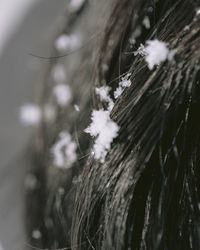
124 83
76 107
104 130
64 151
59 73
103 93
67 43
63 94
146 22
155 52
30 114
75 5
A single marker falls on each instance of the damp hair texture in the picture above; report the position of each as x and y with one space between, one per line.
146 195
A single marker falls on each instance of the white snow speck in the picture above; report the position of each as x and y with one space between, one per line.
30 114
66 43
124 83
64 151
76 107
103 93
198 12
155 52
63 94
75 5
140 51
59 73
146 22
36 234
104 130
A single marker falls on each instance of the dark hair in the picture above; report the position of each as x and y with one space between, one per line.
146 195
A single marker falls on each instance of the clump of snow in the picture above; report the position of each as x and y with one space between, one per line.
66 43
104 130
76 107
75 5
30 114
59 73
124 83
155 52
103 93
64 151
63 94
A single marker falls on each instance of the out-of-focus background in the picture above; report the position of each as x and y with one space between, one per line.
26 26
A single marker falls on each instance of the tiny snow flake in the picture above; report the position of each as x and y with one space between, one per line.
104 130
140 51
64 151
62 93
124 83
30 114
103 93
198 12
36 234
146 22
59 73
76 107
155 52
66 43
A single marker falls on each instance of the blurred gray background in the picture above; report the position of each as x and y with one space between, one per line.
29 32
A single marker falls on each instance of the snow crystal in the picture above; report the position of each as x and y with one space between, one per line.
66 43
140 51
105 130
103 93
75 5
64 151
30 114
124 83
155 52
76 107
59 73
62 93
